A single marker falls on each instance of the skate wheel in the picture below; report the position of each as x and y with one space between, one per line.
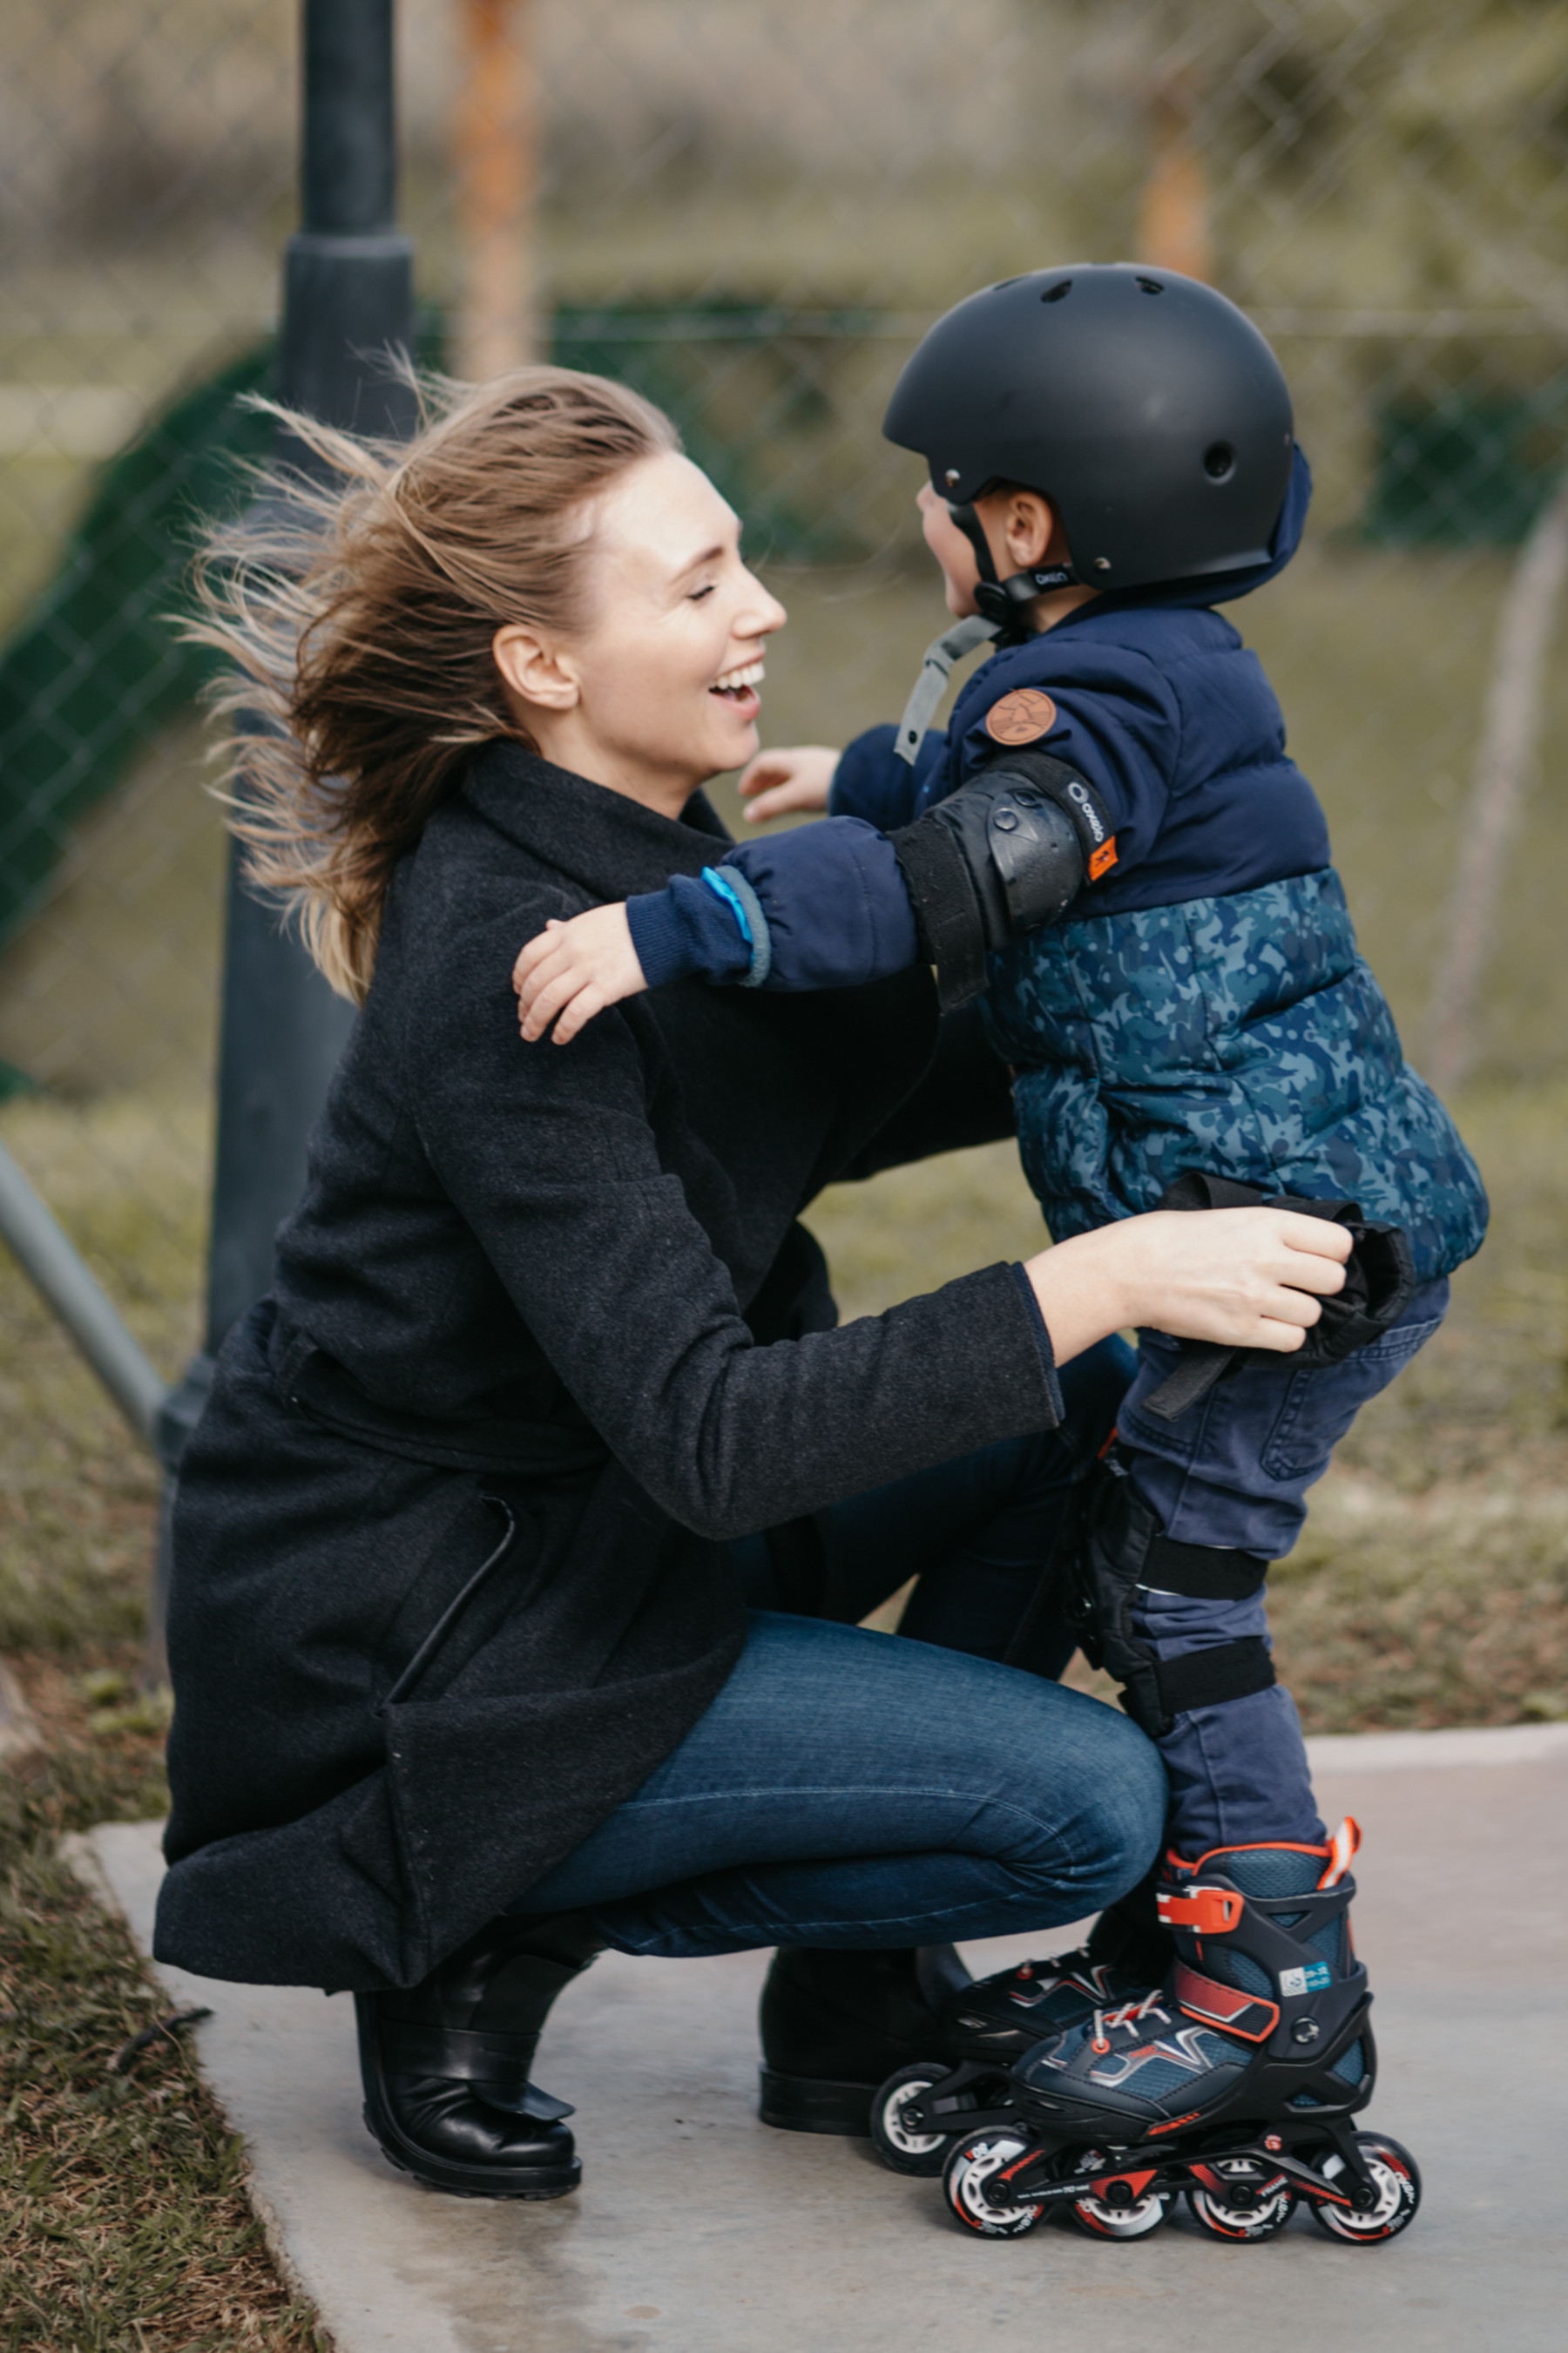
969 2166
1250 2203
1397 2181
1121 2213
898 2147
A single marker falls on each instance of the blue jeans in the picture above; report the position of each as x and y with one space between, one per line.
856 1790
1234 1471
849 1788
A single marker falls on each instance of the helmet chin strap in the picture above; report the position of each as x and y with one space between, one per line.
1002 600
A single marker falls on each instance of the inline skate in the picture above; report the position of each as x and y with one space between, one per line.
1233 2084
983 2029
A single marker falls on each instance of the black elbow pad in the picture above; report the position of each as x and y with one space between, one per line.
1007 853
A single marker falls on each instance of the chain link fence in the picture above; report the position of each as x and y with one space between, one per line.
752 213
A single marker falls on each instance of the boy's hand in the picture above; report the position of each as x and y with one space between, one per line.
775 783
573 970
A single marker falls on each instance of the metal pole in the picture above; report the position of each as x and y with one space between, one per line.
348 297
52 1262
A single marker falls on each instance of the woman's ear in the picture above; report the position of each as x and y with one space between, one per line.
536 669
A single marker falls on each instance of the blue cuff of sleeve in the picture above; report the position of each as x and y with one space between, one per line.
686 929
731 886
1042 1339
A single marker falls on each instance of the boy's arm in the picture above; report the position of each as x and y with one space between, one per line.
837 904
823 906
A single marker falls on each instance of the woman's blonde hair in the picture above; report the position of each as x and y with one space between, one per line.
355 604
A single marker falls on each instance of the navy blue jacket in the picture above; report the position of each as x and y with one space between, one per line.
1201 1005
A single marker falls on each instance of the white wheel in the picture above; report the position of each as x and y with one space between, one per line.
1397 2181
898 2147
1121 2213
1253 2204
969 2167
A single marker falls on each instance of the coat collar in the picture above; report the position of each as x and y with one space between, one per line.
609 846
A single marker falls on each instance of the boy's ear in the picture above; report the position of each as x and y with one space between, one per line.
1031 526
536 669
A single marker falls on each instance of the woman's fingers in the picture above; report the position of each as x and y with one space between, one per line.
1319 1249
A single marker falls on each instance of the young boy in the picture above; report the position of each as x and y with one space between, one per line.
1111 837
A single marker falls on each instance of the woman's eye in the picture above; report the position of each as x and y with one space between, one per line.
699 593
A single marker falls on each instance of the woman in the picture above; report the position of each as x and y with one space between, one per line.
467 1687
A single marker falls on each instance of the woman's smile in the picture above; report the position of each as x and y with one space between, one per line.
738 688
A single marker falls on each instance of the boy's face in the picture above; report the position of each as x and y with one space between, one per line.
1022 530
960 571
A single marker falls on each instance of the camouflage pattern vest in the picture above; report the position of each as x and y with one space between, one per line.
1241 1035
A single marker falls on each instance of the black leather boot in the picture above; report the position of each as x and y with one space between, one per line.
835 2025
445 2065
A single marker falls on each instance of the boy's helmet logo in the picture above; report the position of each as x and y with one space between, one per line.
1021 717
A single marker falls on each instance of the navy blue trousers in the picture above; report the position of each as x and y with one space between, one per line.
1234 1470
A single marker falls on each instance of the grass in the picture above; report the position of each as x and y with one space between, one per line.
125 2226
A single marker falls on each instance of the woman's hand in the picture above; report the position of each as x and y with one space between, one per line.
1243 1278
573 970
777 782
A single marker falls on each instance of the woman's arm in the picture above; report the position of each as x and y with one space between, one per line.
1244 1279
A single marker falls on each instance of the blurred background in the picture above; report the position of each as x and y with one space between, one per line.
751 210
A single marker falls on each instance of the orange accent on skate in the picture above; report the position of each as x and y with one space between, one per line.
1224 2006
1211 1911
1343 1849
1175 2123
1136 2182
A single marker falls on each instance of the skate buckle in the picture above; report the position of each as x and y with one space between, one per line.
1211 1911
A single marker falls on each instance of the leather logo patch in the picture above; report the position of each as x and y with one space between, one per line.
1021 717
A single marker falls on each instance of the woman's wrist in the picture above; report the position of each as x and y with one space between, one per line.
1082 1290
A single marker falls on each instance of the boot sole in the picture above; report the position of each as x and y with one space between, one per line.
814 2104
530 2181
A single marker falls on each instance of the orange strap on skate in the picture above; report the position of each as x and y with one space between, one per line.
1210 1911
1244 2014
1343 1847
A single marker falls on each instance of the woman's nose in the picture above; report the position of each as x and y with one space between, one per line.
763 615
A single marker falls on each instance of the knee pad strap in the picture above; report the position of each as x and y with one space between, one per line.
1123 1547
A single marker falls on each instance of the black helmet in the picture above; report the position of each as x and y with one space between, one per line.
1143 404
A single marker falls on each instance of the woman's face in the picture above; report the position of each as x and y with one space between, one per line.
660 693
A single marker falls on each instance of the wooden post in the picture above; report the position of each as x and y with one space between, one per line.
497 178
1174 210
1510 729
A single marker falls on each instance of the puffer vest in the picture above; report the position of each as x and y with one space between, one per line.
1241 1035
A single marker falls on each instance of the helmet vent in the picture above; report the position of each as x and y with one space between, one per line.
1149 286
1220 461
1054 293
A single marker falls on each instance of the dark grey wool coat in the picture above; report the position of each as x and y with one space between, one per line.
546 1308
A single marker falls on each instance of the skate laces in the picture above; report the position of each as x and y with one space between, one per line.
1129 2014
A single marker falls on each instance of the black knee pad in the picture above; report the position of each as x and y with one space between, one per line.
1122 1544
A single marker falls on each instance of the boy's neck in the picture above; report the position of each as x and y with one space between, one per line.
1054 606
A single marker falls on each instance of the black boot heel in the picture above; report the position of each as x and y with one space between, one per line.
837 2024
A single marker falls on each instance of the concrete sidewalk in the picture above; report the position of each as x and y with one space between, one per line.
700 2231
